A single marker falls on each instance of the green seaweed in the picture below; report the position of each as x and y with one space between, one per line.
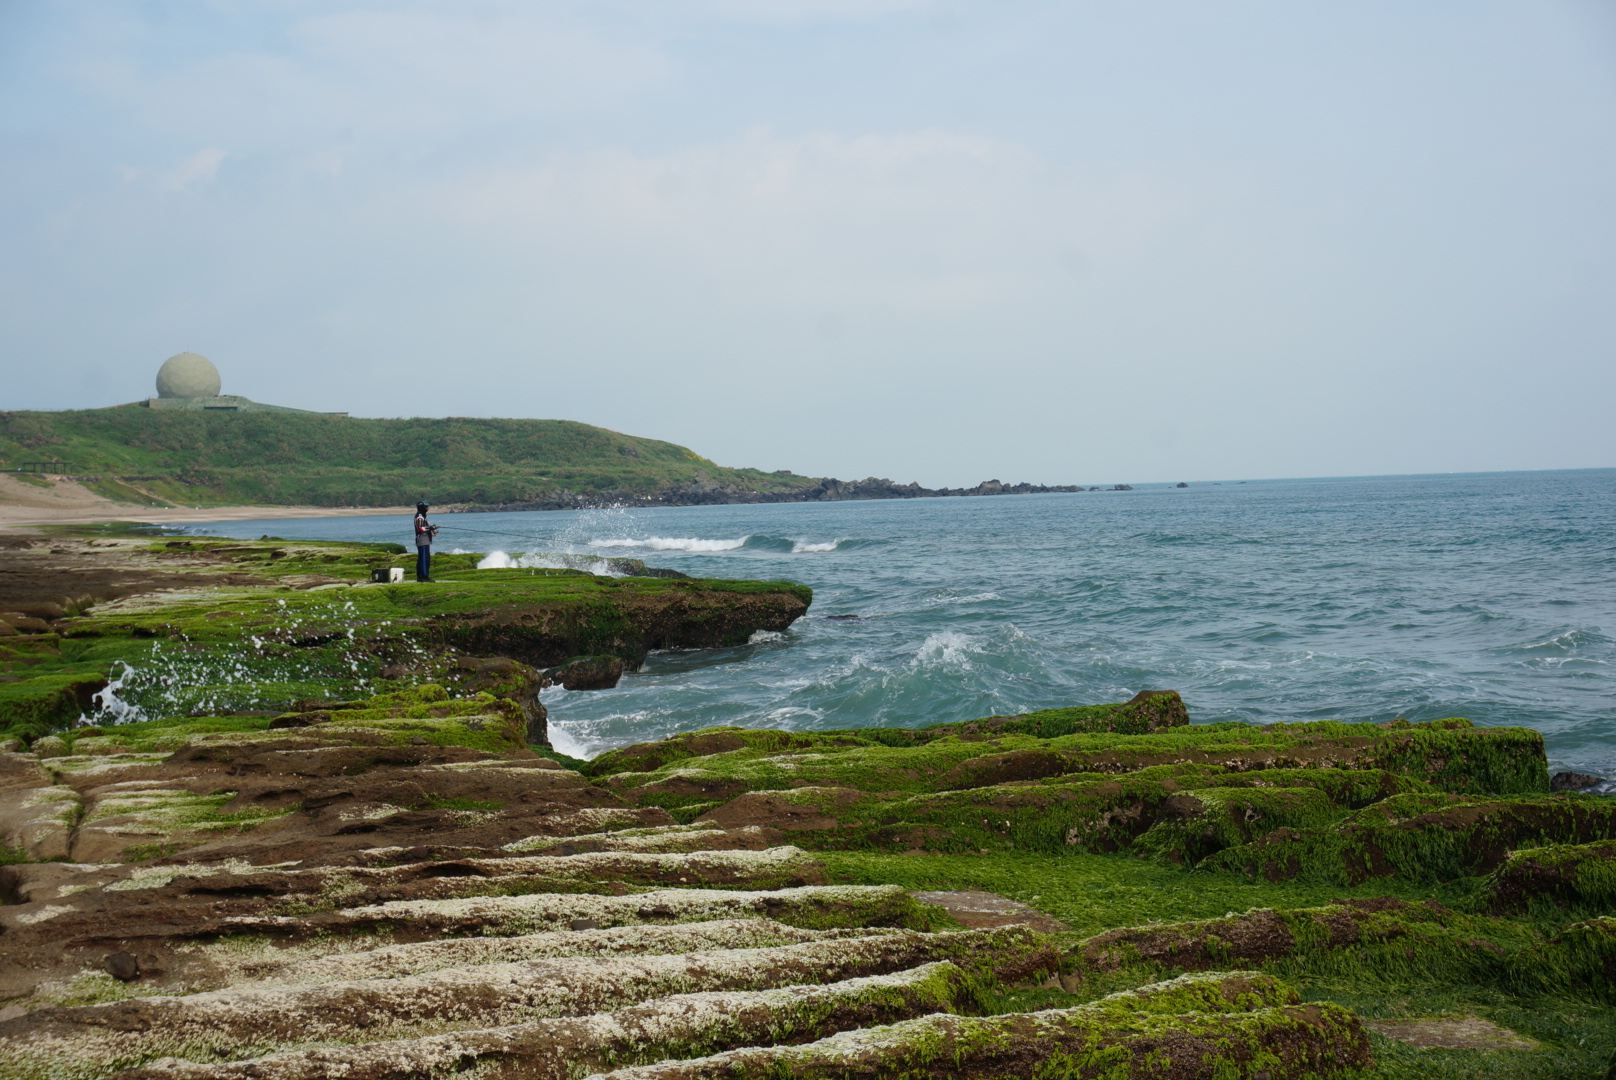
1423 838
1570 877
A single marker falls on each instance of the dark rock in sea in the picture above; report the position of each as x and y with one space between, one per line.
1575 781
589 673
1182 484
1121 487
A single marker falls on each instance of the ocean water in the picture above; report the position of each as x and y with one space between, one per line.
1489 596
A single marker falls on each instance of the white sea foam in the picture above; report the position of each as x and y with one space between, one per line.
973 598
800 547
500 560
672 543
562 742
947 648
109 708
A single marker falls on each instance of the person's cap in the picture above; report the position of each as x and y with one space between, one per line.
422 506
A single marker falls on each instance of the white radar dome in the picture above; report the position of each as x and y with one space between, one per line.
187 375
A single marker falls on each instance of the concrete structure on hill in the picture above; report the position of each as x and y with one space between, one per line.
189 380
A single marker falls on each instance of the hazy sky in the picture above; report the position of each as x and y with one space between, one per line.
945 241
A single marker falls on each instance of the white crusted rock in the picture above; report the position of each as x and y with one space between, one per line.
252 1021
559 1049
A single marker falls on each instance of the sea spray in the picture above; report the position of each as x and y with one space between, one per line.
268 669
108 705
671 543
549 560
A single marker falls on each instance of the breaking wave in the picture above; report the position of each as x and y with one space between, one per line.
788 545
594 564
672 543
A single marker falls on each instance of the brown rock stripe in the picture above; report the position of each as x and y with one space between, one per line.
254 1021
559 1049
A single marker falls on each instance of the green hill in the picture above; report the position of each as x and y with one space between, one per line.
269 458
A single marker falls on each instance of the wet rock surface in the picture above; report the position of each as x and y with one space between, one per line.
1452 1033
399 886
973 908
393 876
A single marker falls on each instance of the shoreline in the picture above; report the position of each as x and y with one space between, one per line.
17 518
64 501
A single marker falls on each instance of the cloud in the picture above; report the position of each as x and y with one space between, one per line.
952 244
800 11
389 74
913 220
200 168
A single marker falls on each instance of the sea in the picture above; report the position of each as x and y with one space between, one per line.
1490 596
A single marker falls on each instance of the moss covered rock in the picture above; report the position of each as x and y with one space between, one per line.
1577 877
1206 1026
1427 838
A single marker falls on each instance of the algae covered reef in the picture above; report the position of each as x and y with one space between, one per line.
314 831
121 627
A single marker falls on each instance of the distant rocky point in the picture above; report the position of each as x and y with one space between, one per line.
703 491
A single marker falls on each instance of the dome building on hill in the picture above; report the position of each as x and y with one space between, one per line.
187 375
189 380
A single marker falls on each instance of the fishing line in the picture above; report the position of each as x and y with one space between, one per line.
485 532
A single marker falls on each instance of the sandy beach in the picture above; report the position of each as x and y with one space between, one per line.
67 502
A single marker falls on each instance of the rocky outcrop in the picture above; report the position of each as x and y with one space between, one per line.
209 626
705 492
681 615
1193 1028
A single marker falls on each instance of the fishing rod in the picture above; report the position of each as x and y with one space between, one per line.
486 532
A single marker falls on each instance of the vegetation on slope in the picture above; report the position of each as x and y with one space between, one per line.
199 457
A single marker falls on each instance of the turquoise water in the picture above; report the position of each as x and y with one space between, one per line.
1491 596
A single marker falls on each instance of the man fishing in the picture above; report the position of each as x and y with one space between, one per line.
424 532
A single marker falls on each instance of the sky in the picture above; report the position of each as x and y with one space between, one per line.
942 240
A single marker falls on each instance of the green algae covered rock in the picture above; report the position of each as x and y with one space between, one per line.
1576 877
1176 813
34 706
422 714
49 746
1146 712
649 757
1581 960
1212 1025
260 626
1428 838
1451 756
1348 939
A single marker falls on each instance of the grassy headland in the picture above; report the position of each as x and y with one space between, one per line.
207 458
200 458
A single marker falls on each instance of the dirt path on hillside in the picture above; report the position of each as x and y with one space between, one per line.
68 502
